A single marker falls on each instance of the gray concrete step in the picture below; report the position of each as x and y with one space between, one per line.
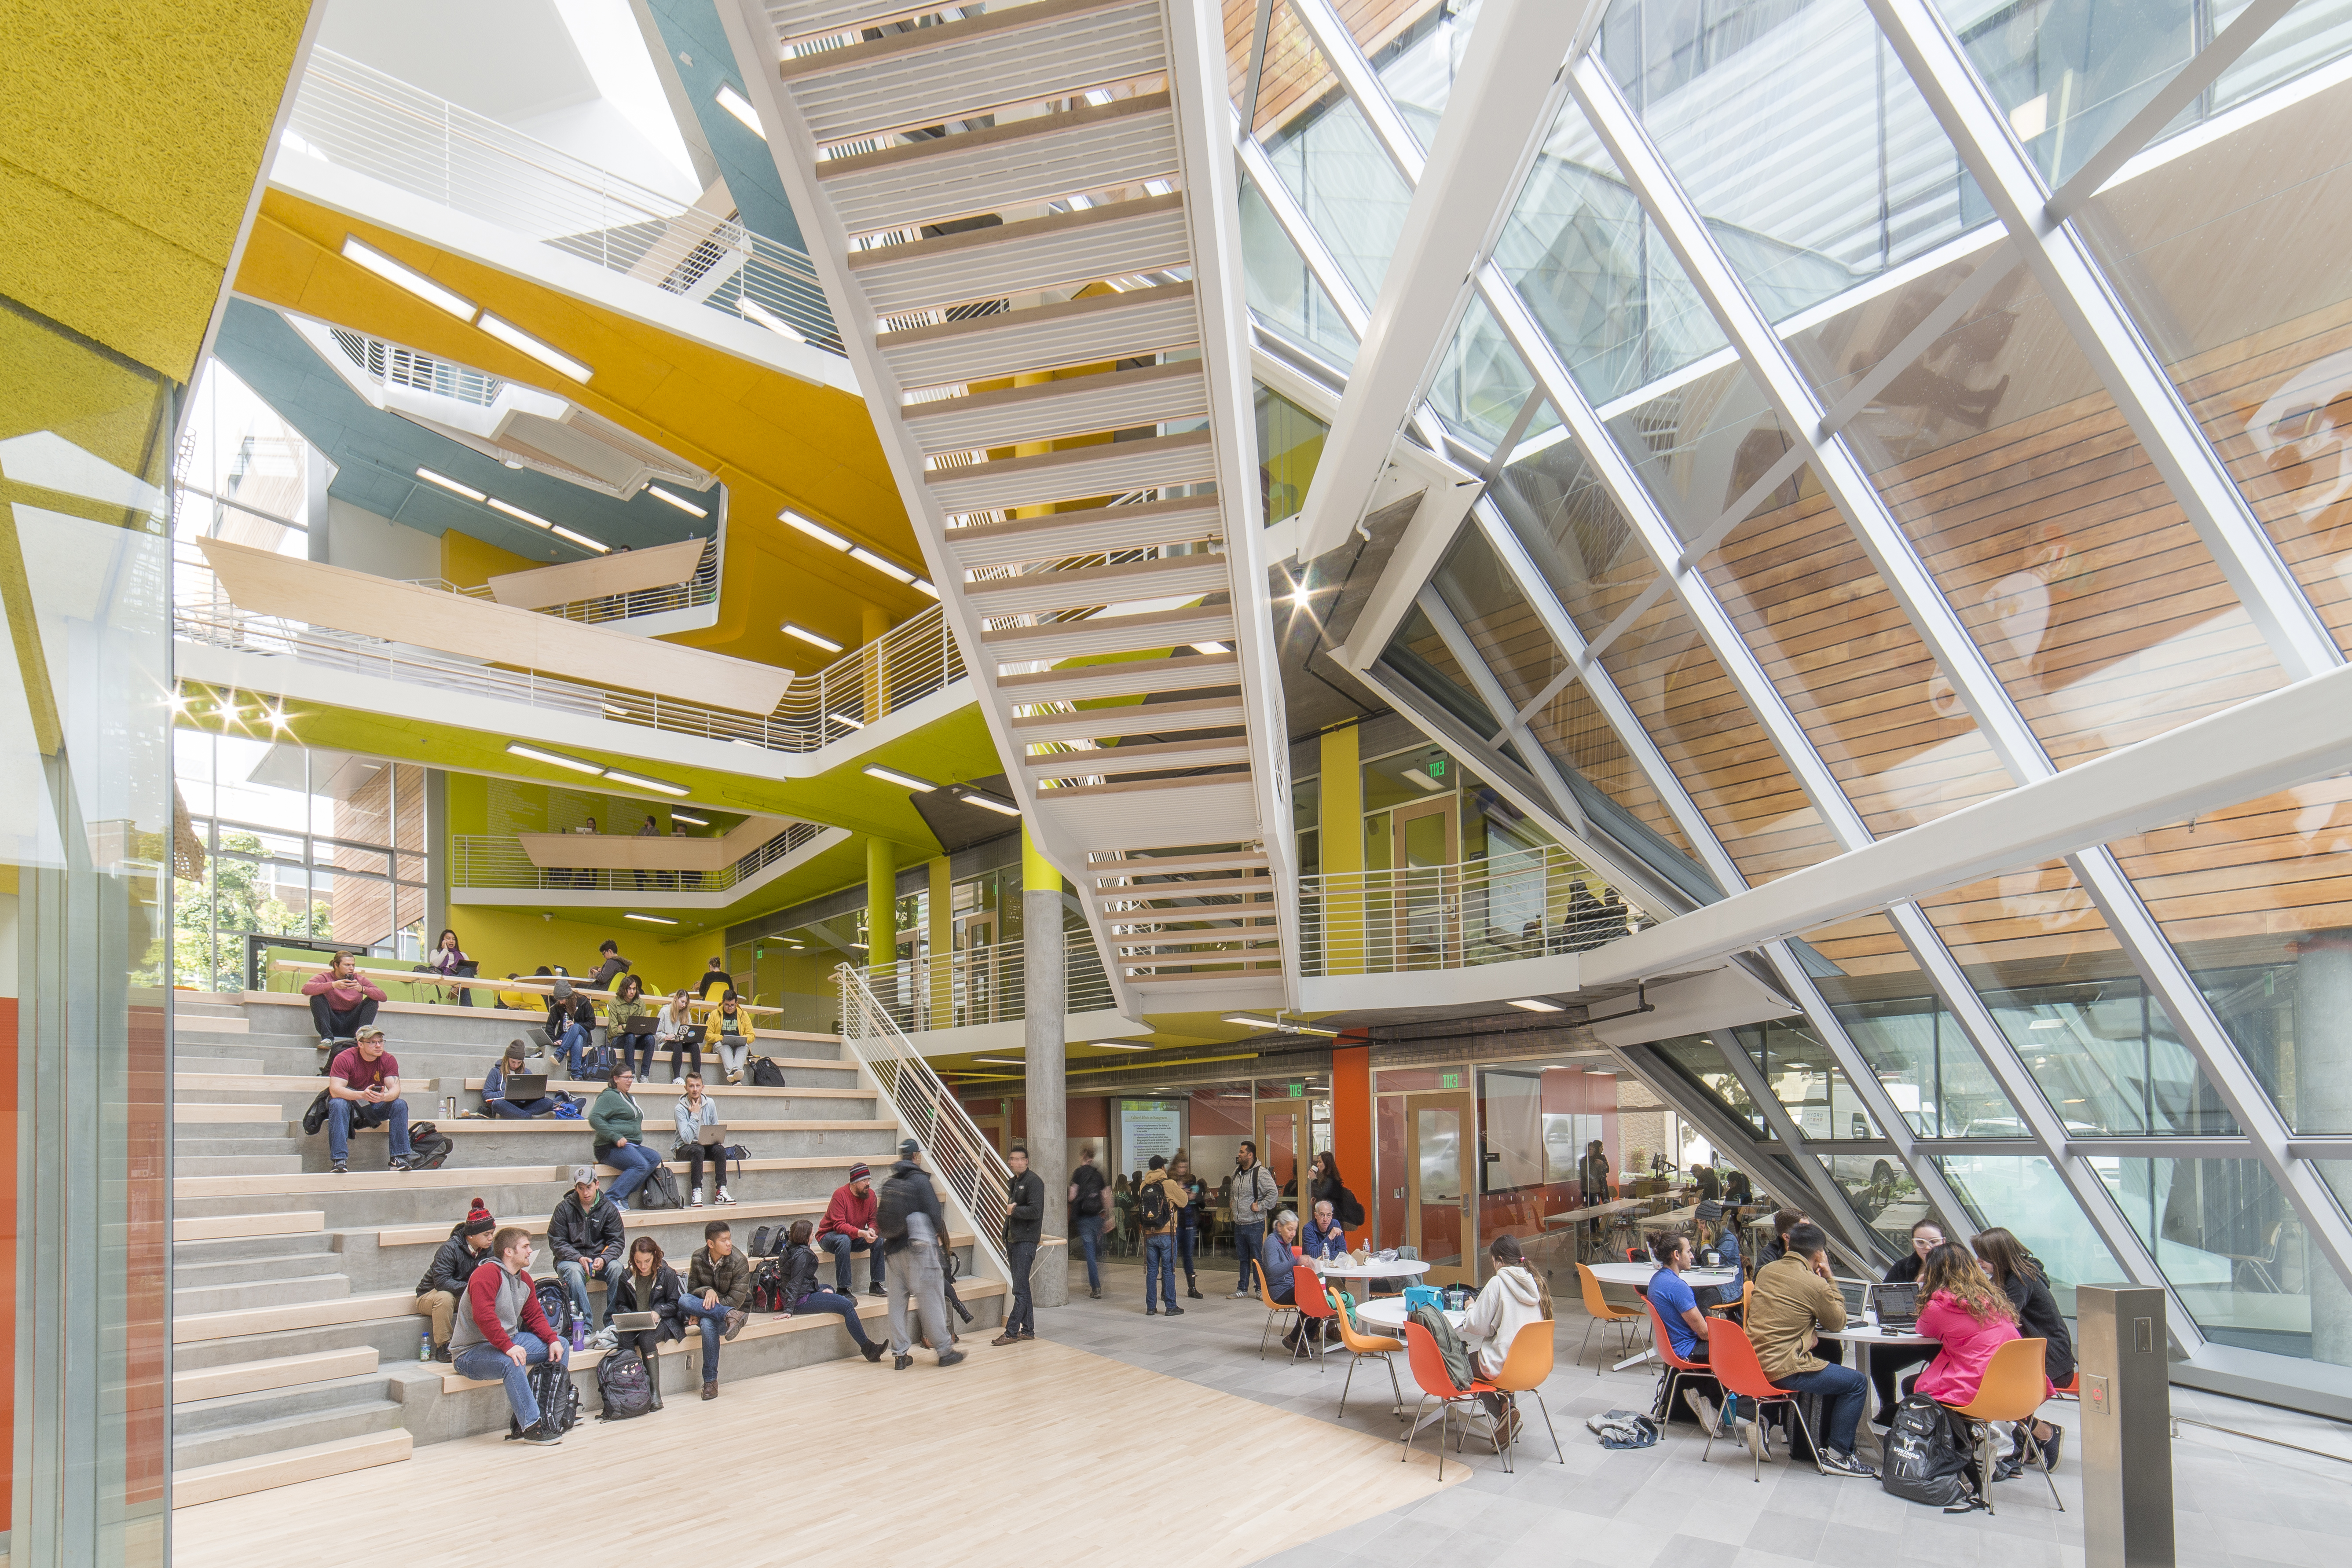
235 1164
197 1416
533 1191
279 1292
189 1274
318 1243
190 1058
394 1340
271 1139
355 1418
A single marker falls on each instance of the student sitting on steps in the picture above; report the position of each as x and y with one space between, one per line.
444 1284
494 1087
730 1034
364 1090
619 1124
694 1111
717 1284
585 1234
342 1000
802 1293
502 1333
648 1285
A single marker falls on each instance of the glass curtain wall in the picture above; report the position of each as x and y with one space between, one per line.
85 1380
1999 474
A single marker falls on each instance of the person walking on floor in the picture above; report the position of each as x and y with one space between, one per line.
914 1236
1255 1192
1087 1216
1025 1226
1159 1200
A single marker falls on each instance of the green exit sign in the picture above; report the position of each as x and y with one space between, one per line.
1449 1081
1297 1091
1437 769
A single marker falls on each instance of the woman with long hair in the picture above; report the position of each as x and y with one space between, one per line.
1189 1217
447 957
634 1052
648 1284
1969 1316
1515 1296
801 1292
2019 1274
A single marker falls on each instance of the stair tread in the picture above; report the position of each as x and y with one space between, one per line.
262 1472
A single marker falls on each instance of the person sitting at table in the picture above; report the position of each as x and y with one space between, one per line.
1773 1251
1721 1233
1886 1360
1325 1237
494 1089
1515 1296
1687 1325
2019 1274
447 959
1274 1256
1796 1298
1968 1317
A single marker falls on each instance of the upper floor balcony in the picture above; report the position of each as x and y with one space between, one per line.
609 870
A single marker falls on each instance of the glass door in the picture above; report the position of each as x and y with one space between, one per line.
1438 1132
975 966
1426 849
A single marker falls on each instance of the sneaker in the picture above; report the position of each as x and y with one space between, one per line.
1239 1296
872 1351
735 1322
875 1291
339 1169
1007 1338
1175 1312
726 1198
1151 1311
695 1202
1194 1294
1968 1504
442 1354
1839 1464
622 1205
1093 1293
397 1163
948 1358
2050 1446
538 1436
1754 1432
1709 1421
902 1362
2009 1469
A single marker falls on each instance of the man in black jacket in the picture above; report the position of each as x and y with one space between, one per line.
915 1239
584 1233
610 967
1024 1226
444 1284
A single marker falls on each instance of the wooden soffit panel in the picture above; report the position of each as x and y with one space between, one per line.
622 571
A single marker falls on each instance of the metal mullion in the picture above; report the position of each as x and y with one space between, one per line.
1536 760
1316 255
1768 359
2202 1034
2091 1195
1340 51
2127 368
1784 1127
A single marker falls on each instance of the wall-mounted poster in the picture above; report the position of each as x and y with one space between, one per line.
1148 1127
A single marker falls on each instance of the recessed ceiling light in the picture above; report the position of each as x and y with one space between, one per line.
558 758
1210 647
892 775
888 568
640 781
446 483
403 276
1537 1004
696 821
815 530
1118 1045
815 638
736 104
548 355
649 919
761 313
531 517
582 541
678 501
2047 1024
987 802
1002 1061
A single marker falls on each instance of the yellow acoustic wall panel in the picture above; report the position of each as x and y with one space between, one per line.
128 154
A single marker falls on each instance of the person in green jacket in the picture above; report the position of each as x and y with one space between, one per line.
619 1124
633 1051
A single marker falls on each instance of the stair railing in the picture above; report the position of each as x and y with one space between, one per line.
953 1146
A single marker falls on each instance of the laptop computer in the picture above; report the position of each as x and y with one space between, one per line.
693 1036
635 1322
1898 1305
712 1132
526 1086
643 1024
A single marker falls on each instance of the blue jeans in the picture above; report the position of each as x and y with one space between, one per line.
1249 1241
343 1115
841 1245
1159 1269
521 1110
712 1320
1088 1227
636 1162
486 1365
1188 1241
575 1039
829 1301
1844 1390
634 1052
575 1285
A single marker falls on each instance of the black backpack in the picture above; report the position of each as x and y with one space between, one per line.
626 1386
660 1191
1922 1458
558 1396
1347 1210
766 1074
1152 1210
892 1207
762 1237
556 1304
768 1286
428 1147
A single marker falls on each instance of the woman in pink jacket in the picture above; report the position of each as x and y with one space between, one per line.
1971 1317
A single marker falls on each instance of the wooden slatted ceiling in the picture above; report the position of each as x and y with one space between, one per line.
1295 74
2236 886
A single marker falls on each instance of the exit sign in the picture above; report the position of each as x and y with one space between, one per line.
1297 1091
1449 1081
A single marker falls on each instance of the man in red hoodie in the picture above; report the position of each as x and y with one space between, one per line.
849 1228
501 1333
342 999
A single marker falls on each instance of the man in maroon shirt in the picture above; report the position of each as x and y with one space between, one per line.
849 1228
364 1090
341 1001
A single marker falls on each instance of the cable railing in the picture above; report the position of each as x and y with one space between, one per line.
1519 904
360 119
981 986
910 662
484 860
952 1145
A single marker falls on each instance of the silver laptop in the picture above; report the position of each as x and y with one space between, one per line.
716 1132
526 1086
635 1322
1898 1305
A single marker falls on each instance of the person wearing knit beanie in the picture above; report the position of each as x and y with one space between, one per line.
437 1294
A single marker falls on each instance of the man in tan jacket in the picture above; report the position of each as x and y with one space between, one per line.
1158 1202
1795 1298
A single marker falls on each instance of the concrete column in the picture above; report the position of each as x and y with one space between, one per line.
1043 1000
2323 1103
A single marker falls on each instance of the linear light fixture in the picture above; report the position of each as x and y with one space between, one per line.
815 530
736 104
1537 1004
582 539
1210 647
518 749
1285 1026
640 781
690 819
676 501
446 483
987 802
815 639
844 719
1119 1046
925 585
512 509
1002 1061
890 569
892 775
548 355
769 319
402 276
649 919
2047 1024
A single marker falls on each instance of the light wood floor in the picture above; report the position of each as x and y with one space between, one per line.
1033 1452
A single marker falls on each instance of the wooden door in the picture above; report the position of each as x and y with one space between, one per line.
1282 1146
1440 1143
1426 852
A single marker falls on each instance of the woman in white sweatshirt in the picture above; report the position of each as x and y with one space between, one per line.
1515 1297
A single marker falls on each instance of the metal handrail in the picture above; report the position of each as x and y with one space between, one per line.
485 860
1519 904
361 119
981 986
955 1147
689 593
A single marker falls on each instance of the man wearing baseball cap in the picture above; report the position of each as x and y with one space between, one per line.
848 1226
364 1090
914 1231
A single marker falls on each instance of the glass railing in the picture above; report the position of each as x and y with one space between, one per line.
1523 903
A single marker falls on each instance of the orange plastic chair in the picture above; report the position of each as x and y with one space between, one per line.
2015 1384
1731 1355
1600 1311
1274 1309
1664 1343
1362 1347
1524 1370
1436 1383
1747 1290
1315 1309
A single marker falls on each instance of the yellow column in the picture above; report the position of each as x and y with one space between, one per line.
881 903
874 621
942 937
1342 838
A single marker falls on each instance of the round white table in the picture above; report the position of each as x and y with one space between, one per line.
1395 1268
1862 1333
1387 1312
1638 1274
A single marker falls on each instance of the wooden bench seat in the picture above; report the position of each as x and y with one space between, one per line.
307 1182
477 1126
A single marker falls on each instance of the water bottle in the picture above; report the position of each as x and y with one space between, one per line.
578 1335
425 1345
